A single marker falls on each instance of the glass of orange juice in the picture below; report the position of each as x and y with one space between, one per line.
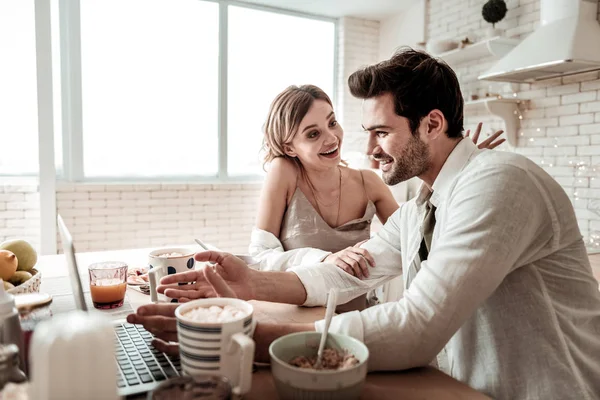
108 283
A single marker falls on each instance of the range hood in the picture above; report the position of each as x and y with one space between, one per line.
567 42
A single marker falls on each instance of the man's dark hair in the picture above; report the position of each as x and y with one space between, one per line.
419 84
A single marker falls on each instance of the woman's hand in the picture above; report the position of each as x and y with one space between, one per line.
354 260
489 143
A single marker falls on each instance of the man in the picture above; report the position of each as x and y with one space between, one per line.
498 286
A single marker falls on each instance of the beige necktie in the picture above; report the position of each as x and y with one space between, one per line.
428 225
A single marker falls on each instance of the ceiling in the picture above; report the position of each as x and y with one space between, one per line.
368 9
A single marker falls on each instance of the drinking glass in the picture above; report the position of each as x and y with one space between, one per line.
108 283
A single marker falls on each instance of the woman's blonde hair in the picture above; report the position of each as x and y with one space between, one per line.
285 114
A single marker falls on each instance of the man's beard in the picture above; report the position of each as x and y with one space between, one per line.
412 161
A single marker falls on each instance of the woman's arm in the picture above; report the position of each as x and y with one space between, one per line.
381 195
268 251
279 185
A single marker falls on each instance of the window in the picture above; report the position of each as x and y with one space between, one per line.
267 52
149 87
56 87
18 89
149 80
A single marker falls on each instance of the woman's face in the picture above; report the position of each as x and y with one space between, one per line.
319 137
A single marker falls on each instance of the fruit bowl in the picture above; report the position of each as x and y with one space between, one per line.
32 285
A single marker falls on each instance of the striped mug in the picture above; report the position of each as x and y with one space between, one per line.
215 339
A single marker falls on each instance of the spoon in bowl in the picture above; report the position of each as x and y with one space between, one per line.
331 304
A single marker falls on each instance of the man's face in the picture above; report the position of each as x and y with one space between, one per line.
401 154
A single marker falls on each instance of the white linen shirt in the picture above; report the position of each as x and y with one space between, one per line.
506 295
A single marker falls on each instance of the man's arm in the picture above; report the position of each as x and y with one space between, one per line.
492 218
309 284
302 285
277 287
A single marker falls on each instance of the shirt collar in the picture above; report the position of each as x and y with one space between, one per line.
456 161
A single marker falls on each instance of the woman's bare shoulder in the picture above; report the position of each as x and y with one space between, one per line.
374 185
283 174
284 170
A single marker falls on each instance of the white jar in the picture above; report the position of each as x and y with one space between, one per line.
72 357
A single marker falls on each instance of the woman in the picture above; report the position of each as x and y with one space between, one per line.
313 207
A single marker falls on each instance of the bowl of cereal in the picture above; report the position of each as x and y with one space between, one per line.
343 371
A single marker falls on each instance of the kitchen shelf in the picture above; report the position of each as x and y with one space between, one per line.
497 46
505 108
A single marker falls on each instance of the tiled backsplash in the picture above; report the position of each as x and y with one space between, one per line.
560 126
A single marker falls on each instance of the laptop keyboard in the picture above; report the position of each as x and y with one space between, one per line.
139 362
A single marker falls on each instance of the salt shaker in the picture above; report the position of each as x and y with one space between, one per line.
72 356
10 325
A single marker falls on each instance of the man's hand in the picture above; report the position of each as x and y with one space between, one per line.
353 260
235 273
489 143
158 319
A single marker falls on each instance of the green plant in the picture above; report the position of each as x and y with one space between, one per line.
493 11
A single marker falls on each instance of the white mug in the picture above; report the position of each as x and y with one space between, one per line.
168 261
217 348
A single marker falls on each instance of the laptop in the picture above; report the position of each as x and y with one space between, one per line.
140 367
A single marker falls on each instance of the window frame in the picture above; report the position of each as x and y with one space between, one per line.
71 96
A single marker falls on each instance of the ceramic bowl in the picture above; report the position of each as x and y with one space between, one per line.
308 384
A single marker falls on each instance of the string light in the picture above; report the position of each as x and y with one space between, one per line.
584 170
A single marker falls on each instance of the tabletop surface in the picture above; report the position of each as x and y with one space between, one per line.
422 383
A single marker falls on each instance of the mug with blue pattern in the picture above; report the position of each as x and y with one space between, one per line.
167 261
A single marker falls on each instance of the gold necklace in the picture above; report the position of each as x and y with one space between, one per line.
339 198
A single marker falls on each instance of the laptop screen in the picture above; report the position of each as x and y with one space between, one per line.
69 250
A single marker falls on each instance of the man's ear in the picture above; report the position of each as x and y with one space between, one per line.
289 150
435 124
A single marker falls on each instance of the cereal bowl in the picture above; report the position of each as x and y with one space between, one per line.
309 384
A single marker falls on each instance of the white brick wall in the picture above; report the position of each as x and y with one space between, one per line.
20 211
358 42
107 216
111 216
358 46
560 128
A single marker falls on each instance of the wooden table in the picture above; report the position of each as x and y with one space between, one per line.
425 383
